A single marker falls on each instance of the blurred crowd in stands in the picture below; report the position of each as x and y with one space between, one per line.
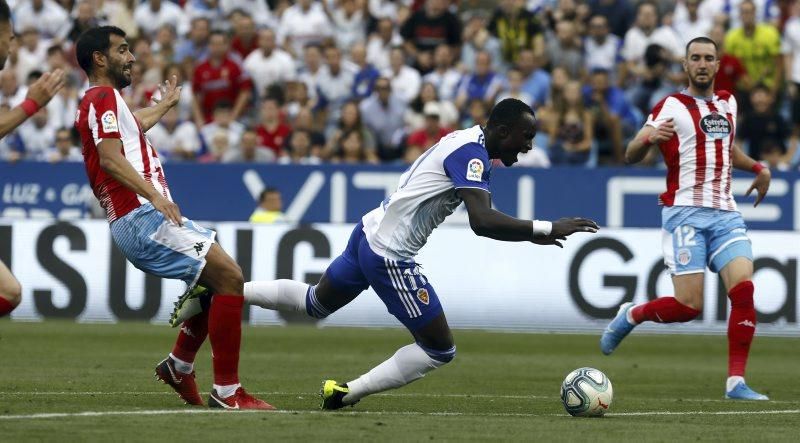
380 81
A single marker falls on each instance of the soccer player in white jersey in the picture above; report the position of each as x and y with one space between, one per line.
126 176
39 94
382 247
701 226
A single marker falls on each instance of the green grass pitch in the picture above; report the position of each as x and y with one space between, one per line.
97 382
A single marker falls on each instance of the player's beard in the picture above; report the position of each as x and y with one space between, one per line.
702 85
119 76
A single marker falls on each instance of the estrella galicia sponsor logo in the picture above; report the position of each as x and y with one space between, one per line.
715 126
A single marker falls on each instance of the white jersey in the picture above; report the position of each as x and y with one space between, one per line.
699 154
426 194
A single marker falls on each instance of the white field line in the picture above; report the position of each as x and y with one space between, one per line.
398 395
357 413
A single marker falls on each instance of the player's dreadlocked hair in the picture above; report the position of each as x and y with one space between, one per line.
508 112
5 12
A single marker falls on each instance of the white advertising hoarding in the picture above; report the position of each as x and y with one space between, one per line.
72 270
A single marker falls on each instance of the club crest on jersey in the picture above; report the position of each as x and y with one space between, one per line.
474 170
422 295
715 126
109 121
684 256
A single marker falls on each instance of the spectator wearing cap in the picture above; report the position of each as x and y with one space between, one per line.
383 115
366 74
483 84
174 139
406 80
152 14
194 48
269 64
380 44
444 77
217 79
601 47
272 131
516 29
429 27
46 16
302 24
420 140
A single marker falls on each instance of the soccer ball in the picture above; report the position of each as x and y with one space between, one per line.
586 392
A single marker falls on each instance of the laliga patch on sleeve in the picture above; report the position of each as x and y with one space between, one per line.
474 170
109 121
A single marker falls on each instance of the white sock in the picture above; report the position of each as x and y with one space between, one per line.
278 295
225 391
629 315
409 363
732 382
184 367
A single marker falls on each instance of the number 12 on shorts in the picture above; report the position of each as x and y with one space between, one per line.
684 236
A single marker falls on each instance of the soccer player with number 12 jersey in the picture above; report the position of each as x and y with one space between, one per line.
694 130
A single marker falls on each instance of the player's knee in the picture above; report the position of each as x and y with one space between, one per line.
441 357
12 292
233 278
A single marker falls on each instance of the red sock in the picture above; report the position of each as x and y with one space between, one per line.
5 307
225 333
664 310
193 334
741 327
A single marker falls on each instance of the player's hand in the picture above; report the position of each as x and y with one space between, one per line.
761 185
46 87
564 227
170 92
169 209
664 132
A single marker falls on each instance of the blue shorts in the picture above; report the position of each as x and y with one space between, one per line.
158 247
696 237
406 292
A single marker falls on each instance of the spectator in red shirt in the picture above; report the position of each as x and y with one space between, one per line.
272 132
245 38
219 78
420 140
731 71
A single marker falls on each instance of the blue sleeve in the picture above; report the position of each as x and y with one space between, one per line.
468 167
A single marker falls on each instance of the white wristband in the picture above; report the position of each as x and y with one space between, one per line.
541 228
